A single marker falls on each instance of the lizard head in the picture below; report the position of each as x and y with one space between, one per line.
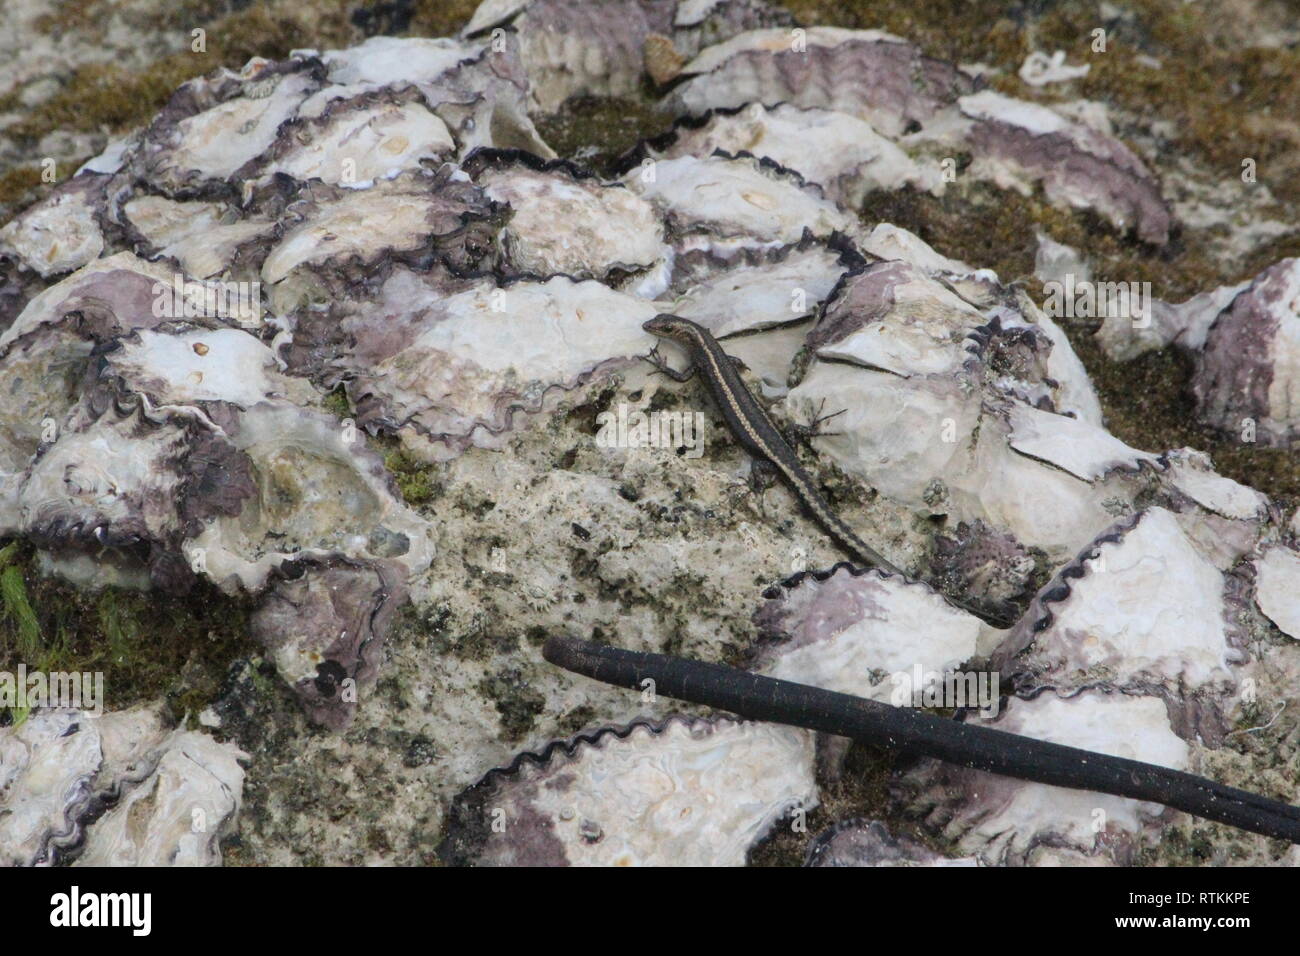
669 326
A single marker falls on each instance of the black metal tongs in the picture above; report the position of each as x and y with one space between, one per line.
756 697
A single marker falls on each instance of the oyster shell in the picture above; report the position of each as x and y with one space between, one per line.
869 74
1001 821
1276 582
477 88
1017 143
324 623
724 203
1248 374
465 366
680 793
415 217
572 47
178 814
842 154
937 392
60 233
609 230
376 136
1144 610
851 632
216 130
60 769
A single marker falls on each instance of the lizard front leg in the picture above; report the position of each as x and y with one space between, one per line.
663 368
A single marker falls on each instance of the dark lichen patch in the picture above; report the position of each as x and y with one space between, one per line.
517 704
596 131
860 791
106 97
1148 405
147 646
440 18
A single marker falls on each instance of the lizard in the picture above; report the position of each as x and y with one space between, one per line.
757 433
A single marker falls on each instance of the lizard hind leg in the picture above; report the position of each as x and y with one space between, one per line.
762 475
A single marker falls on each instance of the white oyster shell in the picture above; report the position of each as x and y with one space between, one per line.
852 633
1277 588
357 146
478 89
230 120
1148 610
1002 821
842 154
695 793
319 493
170 795
738 201
607 228
61 232
468 363
936 395
772 291
177 815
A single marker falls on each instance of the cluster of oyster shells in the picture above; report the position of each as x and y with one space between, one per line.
387 219
117 789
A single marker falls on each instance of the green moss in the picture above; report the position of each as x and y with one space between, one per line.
15 609
146 645
337 404
414 479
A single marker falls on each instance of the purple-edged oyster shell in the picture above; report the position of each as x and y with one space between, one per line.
1134 650
470 367
477 88
1002 821
944 391
842 154
324 623
731 203
574 47
334 237
683 792
853 632
60 233
1247 379
865 73
1076 165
